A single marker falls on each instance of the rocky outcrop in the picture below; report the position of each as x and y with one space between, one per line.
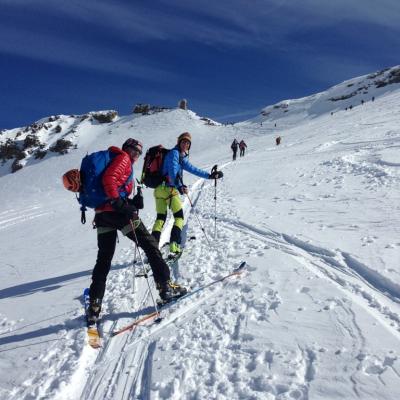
146 109
61 146
105 116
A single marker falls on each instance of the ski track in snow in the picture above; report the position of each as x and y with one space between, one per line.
12 217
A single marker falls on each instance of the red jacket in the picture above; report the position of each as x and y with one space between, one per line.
115 176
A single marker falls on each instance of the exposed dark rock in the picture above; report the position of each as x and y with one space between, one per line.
208 121
39 154
31 140
141 108
376 74
146 109
15 166
393 77
104 117
61 146
10 149
344 97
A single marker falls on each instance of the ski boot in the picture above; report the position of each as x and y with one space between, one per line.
170 290
93 311
174 250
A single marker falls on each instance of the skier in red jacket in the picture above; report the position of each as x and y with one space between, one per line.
121 213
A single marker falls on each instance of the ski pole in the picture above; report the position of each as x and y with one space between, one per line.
134 270
214 169
134 267
143 267
198 220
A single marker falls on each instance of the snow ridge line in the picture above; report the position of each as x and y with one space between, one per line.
378 281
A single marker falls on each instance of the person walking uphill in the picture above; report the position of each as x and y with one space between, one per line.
242 147
167 194
121 213
234 147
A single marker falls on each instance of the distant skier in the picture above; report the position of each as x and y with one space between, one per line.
167 194
242 147
234 147
121 213
278 140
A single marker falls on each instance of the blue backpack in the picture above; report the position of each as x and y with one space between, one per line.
92 193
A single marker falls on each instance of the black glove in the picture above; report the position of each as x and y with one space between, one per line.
182 189
137 200
122 206
216 175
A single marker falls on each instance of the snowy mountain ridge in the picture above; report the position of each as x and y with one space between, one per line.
59 134
344 96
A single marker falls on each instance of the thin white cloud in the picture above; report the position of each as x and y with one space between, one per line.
286 15
77 54
230 22
235 116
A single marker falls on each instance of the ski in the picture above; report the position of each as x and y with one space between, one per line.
237 271
140 321
93 333
156 316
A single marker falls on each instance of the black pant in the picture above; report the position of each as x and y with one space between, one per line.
106 243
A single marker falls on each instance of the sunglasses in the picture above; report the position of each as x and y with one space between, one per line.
137 150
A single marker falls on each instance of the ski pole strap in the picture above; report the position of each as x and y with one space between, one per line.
83 215
133 224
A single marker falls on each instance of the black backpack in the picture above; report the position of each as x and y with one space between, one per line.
152 165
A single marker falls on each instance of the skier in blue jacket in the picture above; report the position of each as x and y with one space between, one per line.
167 194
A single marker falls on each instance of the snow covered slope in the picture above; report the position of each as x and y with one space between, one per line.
344 96
316 316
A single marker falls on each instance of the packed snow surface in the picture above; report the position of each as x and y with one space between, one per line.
316 315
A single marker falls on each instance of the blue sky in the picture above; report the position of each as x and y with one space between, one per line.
228 58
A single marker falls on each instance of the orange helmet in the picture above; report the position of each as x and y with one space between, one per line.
72 180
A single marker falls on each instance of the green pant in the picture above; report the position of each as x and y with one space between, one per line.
168 197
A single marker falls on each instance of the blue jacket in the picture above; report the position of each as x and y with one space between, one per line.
173 166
